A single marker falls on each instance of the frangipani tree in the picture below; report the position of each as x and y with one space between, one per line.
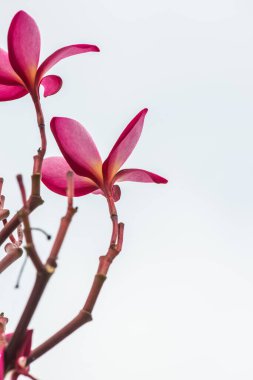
79 172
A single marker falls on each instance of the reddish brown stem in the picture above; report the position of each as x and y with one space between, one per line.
114 218
33 202
4 213
85 314
43 275
41 125
19 334
81 318
10 258
24 216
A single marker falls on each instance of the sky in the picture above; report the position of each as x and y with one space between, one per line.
177 303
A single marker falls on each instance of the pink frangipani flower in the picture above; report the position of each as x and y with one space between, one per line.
82 157
19 70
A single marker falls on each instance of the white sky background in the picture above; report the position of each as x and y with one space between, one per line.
177 303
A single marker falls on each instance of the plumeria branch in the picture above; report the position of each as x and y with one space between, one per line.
32 203
24 216
13 250
85 314
12 254
44 272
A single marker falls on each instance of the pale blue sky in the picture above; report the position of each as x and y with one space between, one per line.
177 303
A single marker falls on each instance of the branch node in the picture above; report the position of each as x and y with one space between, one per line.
50 268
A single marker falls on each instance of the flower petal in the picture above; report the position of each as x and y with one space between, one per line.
1 363
62 53
54 176
11 92
77 147
124 146
24 47
7 74
138 175
116 193
52 84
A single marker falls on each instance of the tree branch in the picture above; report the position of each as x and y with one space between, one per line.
13 254
84 315
33 202
42 278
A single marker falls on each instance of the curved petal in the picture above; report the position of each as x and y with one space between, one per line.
124 146
7 74
116 192
98 192
77 147
24 47
54 176
62 53
52 84
11 92
138 175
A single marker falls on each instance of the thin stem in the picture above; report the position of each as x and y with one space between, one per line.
4 213
19 334
33 202
21 272
42 231
82 318
64 224
114 218
30 247
12 255
84 315
41 125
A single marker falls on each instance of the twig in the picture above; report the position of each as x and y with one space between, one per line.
42 231
33 202
13 254
21 272
64 224
30 247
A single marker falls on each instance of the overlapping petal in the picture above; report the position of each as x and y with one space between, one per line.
20 65
7 74
62 53
11 92
54 176
24 47
138 175
77 147
124 145
52 84
83 158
